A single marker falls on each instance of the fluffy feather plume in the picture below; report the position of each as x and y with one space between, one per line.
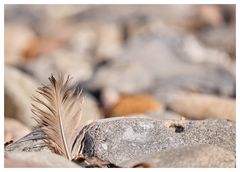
58 113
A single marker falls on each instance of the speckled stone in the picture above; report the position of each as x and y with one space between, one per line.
122 139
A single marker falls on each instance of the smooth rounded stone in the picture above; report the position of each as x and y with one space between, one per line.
122 77
103 40
84 39
211 15
202 106
222 38
132 104
18 89
14 130
110 40
64 11
13 48
76 66
195 51
37 159
121 139
194 156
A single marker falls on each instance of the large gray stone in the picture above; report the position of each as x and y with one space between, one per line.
120 140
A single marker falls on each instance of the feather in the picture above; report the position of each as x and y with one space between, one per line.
58 113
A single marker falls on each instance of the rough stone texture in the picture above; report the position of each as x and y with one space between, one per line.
37 159
195 156
29 143
14 130
120 140
18 89
202 106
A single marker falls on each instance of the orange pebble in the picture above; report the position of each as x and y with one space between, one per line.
133 104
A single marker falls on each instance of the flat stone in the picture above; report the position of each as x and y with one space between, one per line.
195 156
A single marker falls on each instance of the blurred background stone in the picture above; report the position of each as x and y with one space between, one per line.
76 65
132 104
14 130
16 39
18 89
203 106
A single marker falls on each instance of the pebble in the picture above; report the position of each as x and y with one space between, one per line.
18 89
202 106
14 130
